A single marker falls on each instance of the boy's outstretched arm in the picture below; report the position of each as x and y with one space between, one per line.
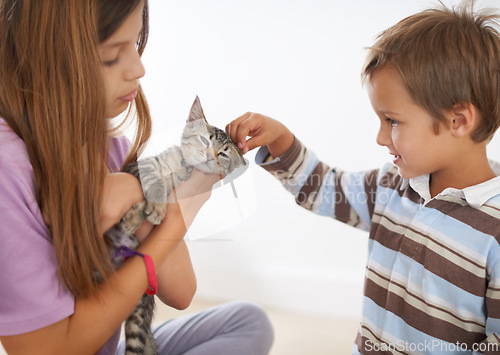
348 198
262 130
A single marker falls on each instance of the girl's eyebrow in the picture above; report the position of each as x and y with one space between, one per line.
115 44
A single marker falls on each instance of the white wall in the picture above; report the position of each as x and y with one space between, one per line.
297 61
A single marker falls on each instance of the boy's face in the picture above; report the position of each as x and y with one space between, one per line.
406 129
121 64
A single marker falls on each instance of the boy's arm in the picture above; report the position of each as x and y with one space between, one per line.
349 198
331 192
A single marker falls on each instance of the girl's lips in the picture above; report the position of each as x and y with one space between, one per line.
396 159
129 97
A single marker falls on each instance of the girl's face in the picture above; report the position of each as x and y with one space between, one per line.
407 129
121 64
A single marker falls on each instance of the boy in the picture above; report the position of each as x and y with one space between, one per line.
432 281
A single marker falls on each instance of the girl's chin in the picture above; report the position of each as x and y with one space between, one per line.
115 112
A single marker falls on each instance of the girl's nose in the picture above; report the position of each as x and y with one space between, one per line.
136 69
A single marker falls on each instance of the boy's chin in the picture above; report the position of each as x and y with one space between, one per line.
404 173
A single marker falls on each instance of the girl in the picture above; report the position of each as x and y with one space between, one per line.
67 68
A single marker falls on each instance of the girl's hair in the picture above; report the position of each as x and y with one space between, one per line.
51 96
446 57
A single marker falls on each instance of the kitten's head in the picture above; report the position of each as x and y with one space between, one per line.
206 147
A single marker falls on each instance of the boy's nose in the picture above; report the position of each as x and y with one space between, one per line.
384 136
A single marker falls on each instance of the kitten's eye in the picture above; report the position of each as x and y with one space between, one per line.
204 141
223 155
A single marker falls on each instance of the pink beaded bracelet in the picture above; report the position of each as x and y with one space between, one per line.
126 252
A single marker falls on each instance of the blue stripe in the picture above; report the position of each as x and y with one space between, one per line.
429 283
410 339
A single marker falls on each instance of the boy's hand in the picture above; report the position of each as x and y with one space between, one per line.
262 130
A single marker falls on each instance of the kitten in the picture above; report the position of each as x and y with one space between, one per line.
203 147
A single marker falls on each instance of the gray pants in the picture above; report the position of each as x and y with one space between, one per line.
235 328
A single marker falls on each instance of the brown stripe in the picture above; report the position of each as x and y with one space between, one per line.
412 195
309 192
432 261
469 215
391 179
386 237
342 206
287 159
419 298
300 163
418 319
371 189
493 307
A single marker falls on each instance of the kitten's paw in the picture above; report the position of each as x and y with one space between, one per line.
155 212
133 218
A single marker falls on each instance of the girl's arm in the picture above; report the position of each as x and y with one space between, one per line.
176 277
95 319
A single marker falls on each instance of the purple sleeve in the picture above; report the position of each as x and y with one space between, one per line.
30 294
118 150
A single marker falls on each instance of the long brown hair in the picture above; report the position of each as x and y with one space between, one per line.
51 96
446 57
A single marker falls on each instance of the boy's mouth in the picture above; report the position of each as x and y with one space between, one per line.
396 158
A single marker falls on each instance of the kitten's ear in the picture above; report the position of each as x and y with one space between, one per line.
196 112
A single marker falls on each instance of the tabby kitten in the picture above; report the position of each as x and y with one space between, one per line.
203 147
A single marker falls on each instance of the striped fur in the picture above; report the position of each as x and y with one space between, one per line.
204 147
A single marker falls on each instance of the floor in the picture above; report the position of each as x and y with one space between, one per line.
295 334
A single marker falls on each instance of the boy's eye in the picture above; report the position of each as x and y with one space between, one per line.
392 122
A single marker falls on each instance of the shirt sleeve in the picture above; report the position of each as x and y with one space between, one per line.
491 345
118 151
30 294
347 197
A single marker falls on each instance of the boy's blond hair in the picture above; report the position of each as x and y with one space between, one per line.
446 57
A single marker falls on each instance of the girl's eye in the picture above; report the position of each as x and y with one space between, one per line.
110 63
392 122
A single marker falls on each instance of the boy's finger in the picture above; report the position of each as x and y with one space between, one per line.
232 127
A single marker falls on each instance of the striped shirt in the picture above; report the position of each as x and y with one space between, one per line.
432 283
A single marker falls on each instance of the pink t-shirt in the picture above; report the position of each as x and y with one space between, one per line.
30 294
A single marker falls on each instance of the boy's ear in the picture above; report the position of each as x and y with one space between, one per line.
463 119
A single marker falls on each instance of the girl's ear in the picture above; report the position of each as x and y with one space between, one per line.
463 119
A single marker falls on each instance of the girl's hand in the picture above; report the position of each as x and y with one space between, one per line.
120 192
188 198
262 130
